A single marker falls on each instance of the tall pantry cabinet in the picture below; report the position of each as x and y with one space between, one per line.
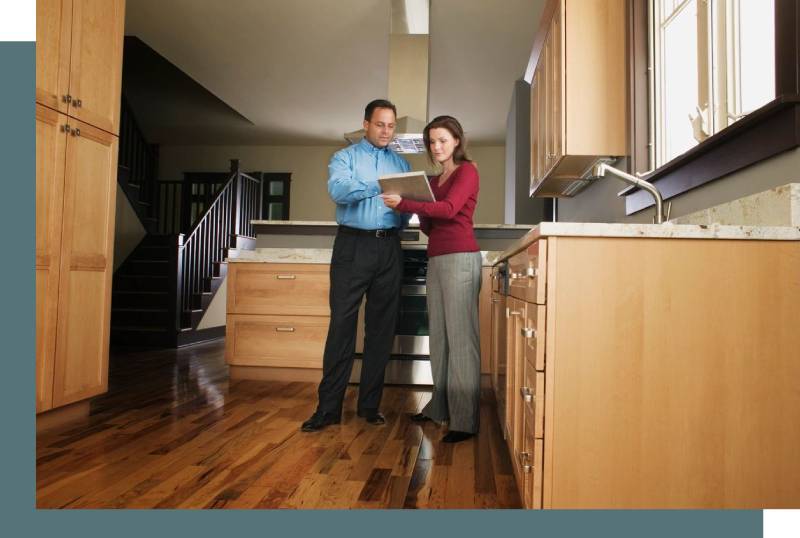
78 81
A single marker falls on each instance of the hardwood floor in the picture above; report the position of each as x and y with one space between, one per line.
173 432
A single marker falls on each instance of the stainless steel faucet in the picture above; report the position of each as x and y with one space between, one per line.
600 169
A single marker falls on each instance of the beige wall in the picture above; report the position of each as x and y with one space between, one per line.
309 168
128 230
600 203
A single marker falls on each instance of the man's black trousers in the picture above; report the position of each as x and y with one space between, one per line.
362 263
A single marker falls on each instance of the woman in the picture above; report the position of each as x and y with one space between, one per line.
454 278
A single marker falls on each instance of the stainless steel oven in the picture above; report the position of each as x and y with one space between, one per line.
410 362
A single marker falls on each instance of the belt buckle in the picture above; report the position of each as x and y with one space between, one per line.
380 233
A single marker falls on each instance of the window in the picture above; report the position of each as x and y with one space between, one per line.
275 195
711 62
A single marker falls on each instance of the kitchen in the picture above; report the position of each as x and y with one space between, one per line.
213 421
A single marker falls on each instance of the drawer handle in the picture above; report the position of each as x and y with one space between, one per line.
515 276
530 272
284 329
527 394
286 277
495 300
523 462
527 332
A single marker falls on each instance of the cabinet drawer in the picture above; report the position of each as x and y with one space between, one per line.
532 394
527 273
517 279
530 463
278 289
285 341
534 334
536 272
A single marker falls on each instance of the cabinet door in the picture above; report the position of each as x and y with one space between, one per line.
81 360
535 142
96 62
499 358
541 158
50 155
555 90
485 318
53 29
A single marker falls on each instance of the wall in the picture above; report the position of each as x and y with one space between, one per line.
128 230
309 168
599 202
520 208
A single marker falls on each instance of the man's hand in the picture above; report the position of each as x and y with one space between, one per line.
391 200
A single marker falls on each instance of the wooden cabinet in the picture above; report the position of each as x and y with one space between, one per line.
79 59
485 320
277 315
87 247
78 77
660 388
577 92
51 144
75 206
53 41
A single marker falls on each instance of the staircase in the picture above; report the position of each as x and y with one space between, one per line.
164 287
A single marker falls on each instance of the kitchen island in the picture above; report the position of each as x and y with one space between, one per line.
650 366
277 310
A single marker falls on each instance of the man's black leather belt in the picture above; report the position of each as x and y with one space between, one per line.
388 232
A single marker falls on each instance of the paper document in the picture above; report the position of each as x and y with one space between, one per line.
411 185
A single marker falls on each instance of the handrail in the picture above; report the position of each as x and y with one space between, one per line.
218 228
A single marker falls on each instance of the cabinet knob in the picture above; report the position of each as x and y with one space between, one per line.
527 394
65 128
523 462
66 98
78 103
76 132
527 332
530 272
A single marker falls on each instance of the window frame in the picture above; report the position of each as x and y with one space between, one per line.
765 132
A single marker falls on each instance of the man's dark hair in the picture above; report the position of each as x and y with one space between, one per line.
378 103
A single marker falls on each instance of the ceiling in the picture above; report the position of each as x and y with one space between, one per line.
300 72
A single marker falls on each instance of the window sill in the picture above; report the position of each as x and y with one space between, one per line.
768 131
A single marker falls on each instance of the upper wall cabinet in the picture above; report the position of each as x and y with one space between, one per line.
79 59
578 99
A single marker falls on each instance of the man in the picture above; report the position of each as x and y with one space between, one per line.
366 259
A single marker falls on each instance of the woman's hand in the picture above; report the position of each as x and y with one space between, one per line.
391 200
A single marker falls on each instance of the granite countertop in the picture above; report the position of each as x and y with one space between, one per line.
313 255
662 231
333 223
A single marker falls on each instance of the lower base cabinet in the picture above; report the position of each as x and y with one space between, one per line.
651 373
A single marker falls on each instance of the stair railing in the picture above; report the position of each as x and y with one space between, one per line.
224 221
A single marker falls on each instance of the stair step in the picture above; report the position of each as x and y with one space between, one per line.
145 317
139 299
140 283
144 267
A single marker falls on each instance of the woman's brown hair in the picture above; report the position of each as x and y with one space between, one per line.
454 127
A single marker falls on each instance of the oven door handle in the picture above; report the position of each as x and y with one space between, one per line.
413 290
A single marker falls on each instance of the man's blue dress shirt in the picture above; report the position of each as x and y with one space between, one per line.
353 184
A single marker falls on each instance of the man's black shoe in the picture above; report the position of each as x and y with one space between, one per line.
319 421
419 417
373 417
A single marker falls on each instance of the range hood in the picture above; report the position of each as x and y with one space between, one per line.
408 75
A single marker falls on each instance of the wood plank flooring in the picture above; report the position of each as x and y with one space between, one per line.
174 432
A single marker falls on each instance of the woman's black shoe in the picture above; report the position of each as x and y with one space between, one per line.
456 436
419 417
